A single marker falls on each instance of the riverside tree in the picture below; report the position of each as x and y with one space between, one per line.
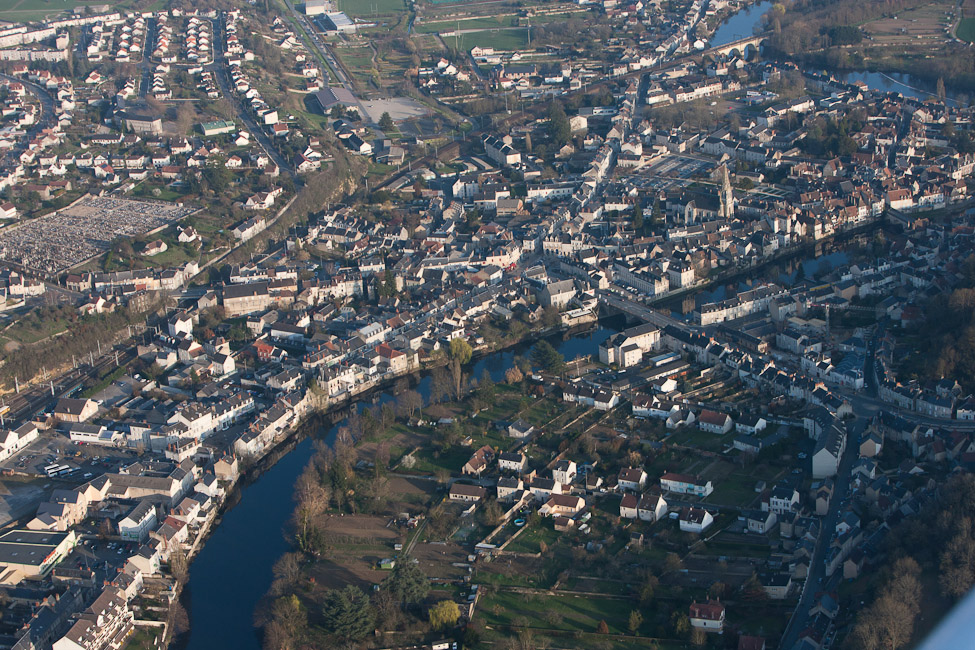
347 613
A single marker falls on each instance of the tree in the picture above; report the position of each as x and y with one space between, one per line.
179 566
636 620
444 615
287 570
407 583
460 354
408 403
386 122
680 624
559 128
348 613
602 627
439 385
647 590
289 614
548 358
940 89
638 218
486 391
105 529
513 375
460 350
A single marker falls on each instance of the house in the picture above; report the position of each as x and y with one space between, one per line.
746 642
714 422
695 520
564 472
478 461
508 486
107 623
520 429
759 521
632 479
652 507
707 616
565 505
466 493
750 424
871 444
512 461
829 448
777 585
629 506
685 484
135 526
75 410
783 498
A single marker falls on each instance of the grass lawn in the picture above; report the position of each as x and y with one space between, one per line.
142 637
577 613
738 550
530 540
509 39
966 29
451 460
29 330
734 490
694 437
481 22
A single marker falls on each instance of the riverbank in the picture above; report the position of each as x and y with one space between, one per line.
263 494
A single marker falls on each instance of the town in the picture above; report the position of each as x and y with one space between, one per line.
542 324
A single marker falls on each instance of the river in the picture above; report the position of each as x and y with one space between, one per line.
232 572
741 24
905 84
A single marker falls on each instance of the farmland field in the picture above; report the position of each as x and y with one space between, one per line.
924 26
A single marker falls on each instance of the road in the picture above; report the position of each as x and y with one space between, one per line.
316 44
44 121
220 73
146 65
817 565
638 310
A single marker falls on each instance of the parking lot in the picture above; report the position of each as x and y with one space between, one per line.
668 172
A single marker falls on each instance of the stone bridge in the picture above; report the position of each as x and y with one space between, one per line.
742 46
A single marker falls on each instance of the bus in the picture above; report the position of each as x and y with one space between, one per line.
58 470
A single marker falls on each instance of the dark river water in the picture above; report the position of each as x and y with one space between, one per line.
233 571
741 24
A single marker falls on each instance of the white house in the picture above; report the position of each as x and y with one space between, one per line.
695 520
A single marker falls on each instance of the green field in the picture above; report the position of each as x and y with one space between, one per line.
966 30
369 8
509 39
34 10
481 22
577 613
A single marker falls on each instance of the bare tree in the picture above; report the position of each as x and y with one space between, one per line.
179 566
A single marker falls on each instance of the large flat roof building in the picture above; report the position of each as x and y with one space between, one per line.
336 21
316 7
33 553
329 97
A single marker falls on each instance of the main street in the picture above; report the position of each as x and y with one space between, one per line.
219 68
817 564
